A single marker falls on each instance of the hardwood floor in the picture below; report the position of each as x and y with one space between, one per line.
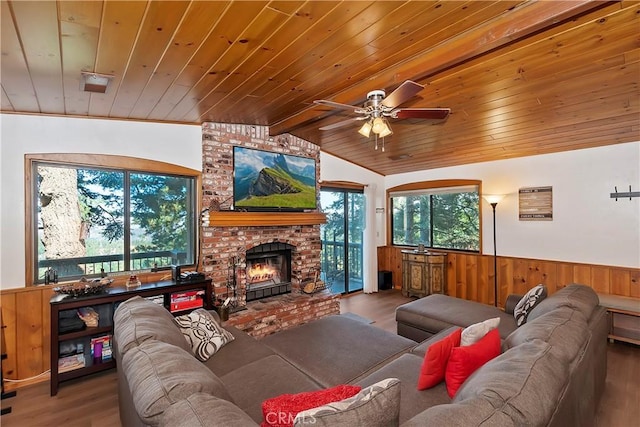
93 402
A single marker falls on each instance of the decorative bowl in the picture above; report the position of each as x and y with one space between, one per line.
84 288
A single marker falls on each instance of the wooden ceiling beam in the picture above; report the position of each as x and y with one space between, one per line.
507 28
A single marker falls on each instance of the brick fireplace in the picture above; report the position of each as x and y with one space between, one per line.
230 251
268 271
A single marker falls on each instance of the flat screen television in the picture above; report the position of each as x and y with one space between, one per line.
267 181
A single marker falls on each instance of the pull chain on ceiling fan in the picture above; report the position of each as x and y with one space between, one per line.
379 107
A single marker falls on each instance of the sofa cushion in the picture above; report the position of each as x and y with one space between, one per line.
474 333
313 348
436 359
528 302
137 320
579 297
243 350
375 406
465 360
413 401
476 412
161 374
203 333
262 379
437 312
280 411
205 410
524 383
564 329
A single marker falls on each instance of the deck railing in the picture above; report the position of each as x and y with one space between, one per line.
94 265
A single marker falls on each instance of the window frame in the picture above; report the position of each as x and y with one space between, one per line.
97 161
427 185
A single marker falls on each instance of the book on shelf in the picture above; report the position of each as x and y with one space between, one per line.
69 363
106 352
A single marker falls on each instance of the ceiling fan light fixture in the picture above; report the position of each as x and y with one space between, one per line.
365 130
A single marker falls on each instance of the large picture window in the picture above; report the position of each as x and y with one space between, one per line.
88 220
441 217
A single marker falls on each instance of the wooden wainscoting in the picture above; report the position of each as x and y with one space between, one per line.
471 276
26 320
25 311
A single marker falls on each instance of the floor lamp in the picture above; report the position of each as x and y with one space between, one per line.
493 200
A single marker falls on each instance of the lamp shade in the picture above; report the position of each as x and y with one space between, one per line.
386 131
365 130
493 198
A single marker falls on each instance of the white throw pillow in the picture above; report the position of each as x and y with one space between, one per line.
475 332
203 333
528 302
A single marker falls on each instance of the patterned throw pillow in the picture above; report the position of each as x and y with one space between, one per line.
375 406
528 302
203 333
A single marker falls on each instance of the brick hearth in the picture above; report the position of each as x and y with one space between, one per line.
269 315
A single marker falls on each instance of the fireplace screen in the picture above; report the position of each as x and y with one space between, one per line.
268 271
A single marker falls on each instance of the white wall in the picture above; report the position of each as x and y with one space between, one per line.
22 134
588 226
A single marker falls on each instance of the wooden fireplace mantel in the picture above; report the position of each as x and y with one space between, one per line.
264 219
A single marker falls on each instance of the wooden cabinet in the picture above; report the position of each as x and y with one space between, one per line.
423 273
76 345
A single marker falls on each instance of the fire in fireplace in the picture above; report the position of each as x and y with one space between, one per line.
268 270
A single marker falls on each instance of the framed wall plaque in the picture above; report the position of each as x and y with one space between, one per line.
535 204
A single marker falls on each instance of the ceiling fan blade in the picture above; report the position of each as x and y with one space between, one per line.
342 123
404 92
421 113
336 105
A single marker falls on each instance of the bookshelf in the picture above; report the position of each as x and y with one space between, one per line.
70 348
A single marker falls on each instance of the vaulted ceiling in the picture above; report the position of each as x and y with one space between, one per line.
521 77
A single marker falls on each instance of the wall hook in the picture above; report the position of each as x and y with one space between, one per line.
630 194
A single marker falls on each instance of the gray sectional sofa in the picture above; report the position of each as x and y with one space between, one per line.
551 371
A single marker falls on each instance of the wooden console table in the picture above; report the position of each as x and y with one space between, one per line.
423 273
105 304
624 317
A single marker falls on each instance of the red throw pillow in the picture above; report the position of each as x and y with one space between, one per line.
435 361
280 411
465 360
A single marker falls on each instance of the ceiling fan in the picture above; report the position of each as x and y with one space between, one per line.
379 107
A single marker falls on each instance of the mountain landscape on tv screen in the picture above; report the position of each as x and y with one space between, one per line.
264 180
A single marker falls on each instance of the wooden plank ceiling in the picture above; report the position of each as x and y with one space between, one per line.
521 77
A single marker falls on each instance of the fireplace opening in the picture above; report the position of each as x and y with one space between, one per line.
268 270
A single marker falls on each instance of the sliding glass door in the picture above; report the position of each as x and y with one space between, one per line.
342 235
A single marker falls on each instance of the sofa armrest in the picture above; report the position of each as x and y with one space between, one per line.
512 301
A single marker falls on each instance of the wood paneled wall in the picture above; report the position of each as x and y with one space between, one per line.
471 276
26 320
25 311
25 328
